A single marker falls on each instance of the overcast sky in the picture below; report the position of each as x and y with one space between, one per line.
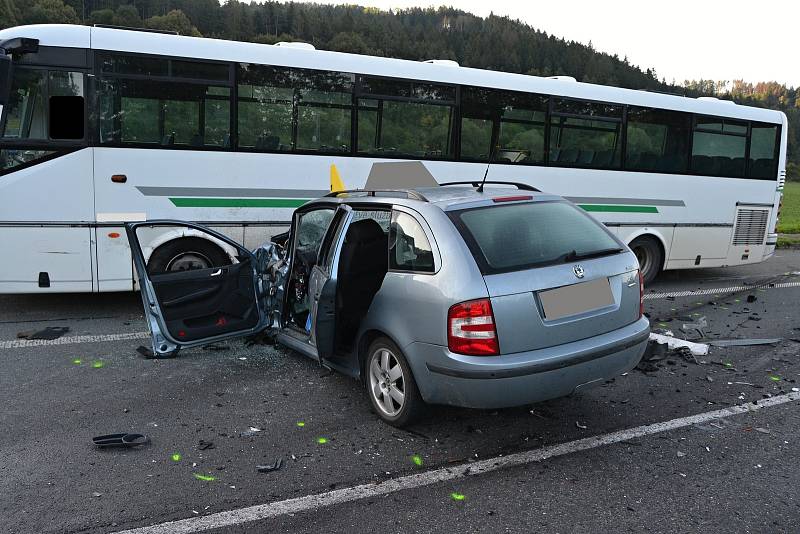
681 39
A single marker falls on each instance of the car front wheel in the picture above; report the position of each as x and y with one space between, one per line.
390 385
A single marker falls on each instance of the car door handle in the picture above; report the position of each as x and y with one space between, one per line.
217 272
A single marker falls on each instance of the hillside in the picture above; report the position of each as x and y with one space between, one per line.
497 43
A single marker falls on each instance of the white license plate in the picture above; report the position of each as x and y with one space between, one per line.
576 298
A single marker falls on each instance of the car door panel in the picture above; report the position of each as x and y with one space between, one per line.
200 306
205 302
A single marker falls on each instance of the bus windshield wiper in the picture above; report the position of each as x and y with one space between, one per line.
573 254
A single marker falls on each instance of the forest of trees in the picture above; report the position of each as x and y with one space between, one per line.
497 43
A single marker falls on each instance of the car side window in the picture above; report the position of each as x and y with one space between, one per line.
409 248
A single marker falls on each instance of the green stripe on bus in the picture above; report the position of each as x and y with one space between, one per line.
619 209
238 202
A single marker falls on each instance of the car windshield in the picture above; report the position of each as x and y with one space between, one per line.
519 236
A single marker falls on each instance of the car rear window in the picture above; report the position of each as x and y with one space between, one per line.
520 236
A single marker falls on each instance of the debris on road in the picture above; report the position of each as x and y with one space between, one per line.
270 467
579 425
698 349
203 445
745 342
50 333
123 439
751 298
252 431
699 326
145 352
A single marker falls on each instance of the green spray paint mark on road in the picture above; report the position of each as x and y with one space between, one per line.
301 424
417 460
615 208
204 478
457 496
176 457
97 364
238 202
322 441
76 361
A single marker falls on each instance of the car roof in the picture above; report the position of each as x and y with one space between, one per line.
444 197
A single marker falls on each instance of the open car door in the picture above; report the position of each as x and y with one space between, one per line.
322 285
198 306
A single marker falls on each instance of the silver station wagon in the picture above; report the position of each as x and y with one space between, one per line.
457 294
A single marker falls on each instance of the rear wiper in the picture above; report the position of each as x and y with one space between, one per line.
573 254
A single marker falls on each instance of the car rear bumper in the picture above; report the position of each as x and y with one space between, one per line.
526 377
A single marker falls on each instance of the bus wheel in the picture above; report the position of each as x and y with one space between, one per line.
650 256
185 254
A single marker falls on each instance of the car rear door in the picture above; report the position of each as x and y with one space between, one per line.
195 307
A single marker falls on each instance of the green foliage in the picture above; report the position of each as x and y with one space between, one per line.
8 14
48 12
124 15
176 20
789 222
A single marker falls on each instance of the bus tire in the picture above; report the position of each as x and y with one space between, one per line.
186 253
650 256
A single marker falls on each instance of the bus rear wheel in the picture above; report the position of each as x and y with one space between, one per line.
649 255
185 254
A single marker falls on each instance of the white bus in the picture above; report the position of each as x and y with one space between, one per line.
101 126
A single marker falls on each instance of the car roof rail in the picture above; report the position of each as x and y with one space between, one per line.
476 183
410 193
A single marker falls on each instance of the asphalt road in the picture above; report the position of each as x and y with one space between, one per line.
737 473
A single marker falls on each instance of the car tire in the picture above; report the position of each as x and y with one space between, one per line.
388 374
649 255
185 254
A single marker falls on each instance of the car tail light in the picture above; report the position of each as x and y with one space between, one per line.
470 329
641 294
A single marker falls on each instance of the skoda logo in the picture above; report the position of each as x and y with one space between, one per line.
578 270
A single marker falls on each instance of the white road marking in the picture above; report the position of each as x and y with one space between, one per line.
312 502
71 340
719 290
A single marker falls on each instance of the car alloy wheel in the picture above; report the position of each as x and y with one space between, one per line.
387 382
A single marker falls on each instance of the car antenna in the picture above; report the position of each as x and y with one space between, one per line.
485 174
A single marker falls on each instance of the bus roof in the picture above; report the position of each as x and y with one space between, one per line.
120 40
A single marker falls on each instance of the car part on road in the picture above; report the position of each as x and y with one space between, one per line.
50 333
145 352
698 349
120 440
203 445
270 467
744 342
697 326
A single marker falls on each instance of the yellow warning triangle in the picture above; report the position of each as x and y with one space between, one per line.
336 181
